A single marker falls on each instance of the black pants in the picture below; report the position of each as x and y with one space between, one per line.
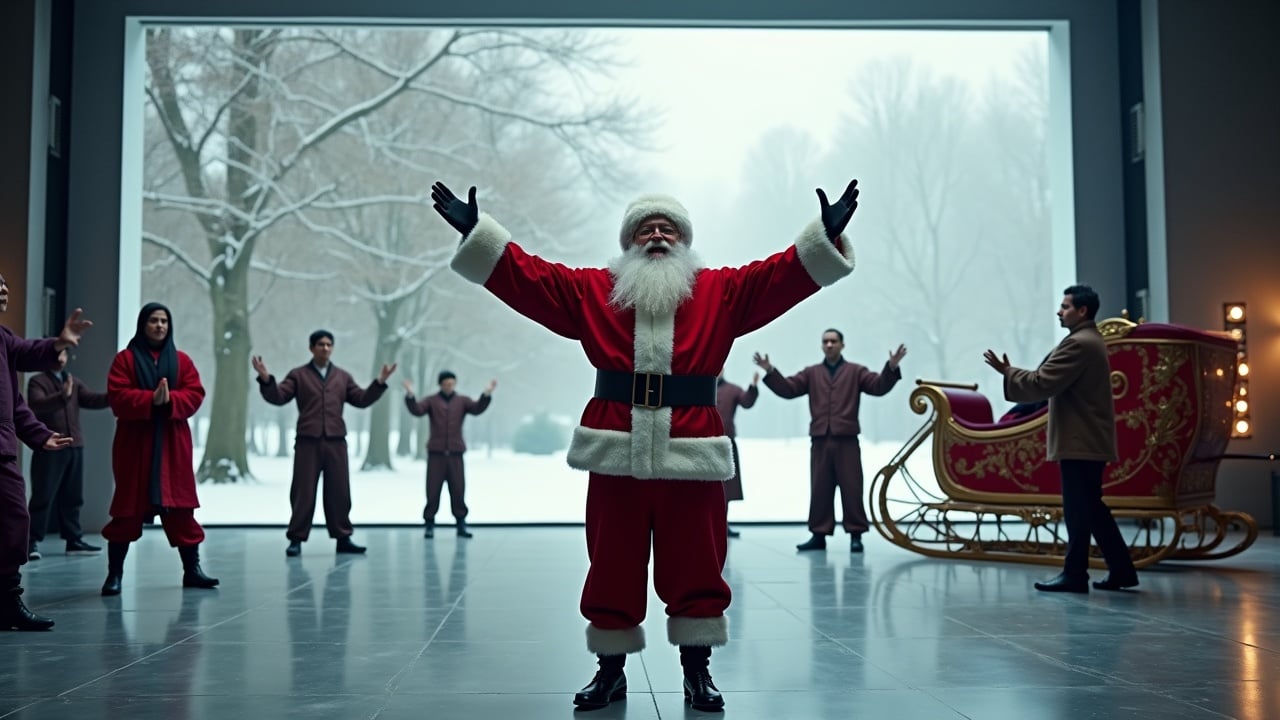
57 490
1085 514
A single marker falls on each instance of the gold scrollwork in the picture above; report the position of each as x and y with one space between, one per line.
1119 384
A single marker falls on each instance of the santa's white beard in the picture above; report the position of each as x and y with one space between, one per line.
655 284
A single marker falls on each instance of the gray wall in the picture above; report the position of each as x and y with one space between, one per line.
1219 219
95 213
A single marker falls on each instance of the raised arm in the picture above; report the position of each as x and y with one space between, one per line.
1058 371
364 397
30 355
548 293
280 393
752 393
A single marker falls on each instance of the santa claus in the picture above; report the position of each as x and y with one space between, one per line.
657 325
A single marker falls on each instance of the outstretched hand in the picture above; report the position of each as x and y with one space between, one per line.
762 361
387 370
835 217
896 356
72 330
259 367
999 364
463 216
57 441
408 386
493 385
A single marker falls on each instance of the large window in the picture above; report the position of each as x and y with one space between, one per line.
285 180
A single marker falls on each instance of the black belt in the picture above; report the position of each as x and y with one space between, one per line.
655 390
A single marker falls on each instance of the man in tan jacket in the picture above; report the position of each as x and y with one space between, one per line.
1076 380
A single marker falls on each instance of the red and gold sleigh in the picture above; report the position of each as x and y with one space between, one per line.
997 498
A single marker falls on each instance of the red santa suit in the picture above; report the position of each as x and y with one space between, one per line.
655 472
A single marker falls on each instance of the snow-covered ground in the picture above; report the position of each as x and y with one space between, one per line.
503 486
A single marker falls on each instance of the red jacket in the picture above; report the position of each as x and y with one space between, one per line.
131 450
614 438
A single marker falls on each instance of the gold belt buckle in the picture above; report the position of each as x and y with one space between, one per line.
651 386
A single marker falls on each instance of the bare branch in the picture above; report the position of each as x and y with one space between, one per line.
179 254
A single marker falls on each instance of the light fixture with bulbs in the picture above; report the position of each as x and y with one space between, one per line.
1234 317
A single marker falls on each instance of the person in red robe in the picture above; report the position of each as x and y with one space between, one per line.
19 423
658 327
153 389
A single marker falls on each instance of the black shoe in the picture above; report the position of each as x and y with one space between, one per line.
731 532
192 575
817 542
346 547
80 547
1112 582
430 530
33 552
855 544
294 549
700 692
116 552
14 614
1062 583
462 530
607 686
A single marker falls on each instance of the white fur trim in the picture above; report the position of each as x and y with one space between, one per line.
610 452
615 642
647 206
655 339
702 632
481 250
819 256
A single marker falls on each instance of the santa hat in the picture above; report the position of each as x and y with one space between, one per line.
647 206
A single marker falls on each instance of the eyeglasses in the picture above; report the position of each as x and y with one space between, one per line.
648 230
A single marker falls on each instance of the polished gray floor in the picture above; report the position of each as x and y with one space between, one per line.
489 628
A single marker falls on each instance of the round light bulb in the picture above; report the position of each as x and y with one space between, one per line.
1244 369
1242 406
1221 372
1236 333
1243 391
1235 313
1242 427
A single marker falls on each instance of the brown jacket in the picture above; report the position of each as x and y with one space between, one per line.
729 398
1076 380
320 400
446 416
834 400
59 412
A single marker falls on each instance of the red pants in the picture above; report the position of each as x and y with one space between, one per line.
684 521
179 525
311 457
836 461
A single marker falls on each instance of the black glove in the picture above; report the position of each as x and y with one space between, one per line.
463 216
836 217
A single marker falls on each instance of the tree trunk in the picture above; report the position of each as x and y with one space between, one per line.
225 459
282 427
378 454
420 450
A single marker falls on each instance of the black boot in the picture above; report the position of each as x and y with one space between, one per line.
14 614
699 691
345 546
430 530
192 575
116 551
462 530
608 685
817 542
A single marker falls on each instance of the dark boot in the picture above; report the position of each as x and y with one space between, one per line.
608 685
345 546
14 614
462 530
430 530
192 575
817 542
294 549
699 691
116 552
855 543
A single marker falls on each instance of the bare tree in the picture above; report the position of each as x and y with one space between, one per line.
245 112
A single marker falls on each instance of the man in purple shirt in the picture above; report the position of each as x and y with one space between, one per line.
17 422
835 388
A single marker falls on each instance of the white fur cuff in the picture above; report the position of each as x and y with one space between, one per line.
819 256
481 250
615 642
613 452
703 632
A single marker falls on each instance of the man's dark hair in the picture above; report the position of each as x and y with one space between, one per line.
837 332
315 336
1083 296
445 375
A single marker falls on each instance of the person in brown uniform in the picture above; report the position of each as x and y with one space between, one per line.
729 398
57 476
320 445
835 388
445 446
1081 438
